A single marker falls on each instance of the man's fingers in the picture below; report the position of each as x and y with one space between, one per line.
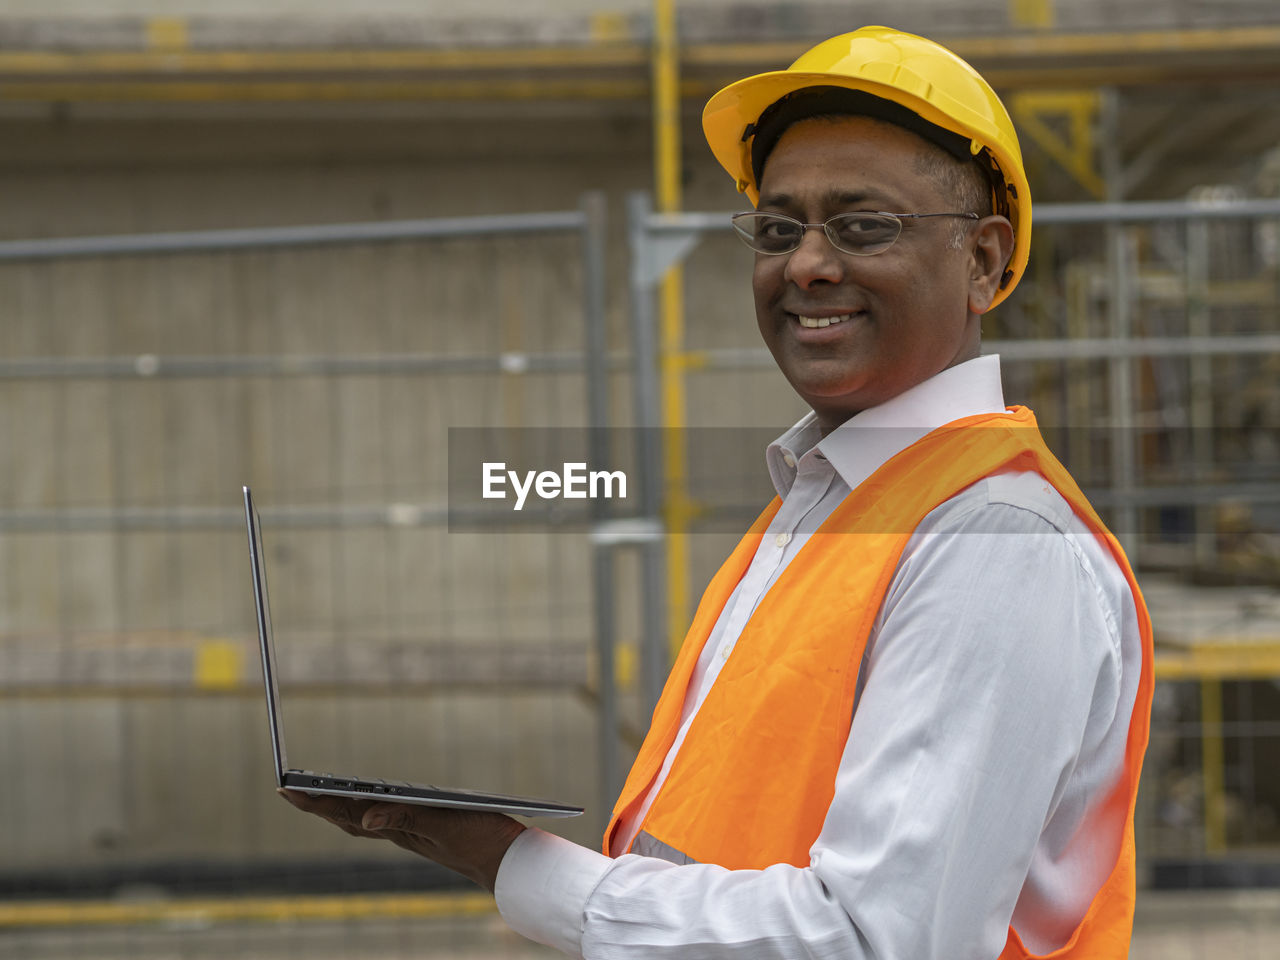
401 817
468 842
362 818
339 811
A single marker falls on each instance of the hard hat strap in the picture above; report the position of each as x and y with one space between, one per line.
1001 191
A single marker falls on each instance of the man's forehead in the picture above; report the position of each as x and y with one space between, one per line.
875 150
841 128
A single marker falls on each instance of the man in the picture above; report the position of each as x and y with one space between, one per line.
909 716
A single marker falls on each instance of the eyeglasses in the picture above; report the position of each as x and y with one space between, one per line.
861 234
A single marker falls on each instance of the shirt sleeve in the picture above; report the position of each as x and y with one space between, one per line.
994 652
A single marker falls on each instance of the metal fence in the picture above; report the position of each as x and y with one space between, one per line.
143 380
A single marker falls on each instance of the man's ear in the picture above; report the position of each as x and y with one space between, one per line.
992 241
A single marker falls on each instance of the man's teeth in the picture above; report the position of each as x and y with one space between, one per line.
823 321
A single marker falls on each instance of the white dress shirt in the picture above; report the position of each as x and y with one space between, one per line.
992 713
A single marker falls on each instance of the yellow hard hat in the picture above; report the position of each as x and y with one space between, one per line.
899 77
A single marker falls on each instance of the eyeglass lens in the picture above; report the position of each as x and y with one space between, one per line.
857 233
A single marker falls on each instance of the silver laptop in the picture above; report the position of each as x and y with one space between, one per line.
362 788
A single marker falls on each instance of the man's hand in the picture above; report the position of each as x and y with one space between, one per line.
468 842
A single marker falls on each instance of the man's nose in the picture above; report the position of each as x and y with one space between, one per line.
815 260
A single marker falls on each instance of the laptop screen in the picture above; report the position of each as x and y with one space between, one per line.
264 634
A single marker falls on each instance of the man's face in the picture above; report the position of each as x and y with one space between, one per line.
905 311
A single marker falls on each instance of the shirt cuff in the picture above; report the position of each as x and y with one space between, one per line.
542 888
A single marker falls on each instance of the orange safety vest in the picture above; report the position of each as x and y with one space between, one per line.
772 730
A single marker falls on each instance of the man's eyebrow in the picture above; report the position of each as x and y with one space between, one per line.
775 200
849 198
832 198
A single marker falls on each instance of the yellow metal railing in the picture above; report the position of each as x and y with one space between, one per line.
75 913
1211 663
668 171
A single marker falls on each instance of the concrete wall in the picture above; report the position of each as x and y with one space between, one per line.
136 443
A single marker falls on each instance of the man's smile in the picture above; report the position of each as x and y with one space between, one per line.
824 320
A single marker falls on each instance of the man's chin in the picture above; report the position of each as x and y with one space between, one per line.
833 405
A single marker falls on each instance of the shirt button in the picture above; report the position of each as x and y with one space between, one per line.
788 459
782 539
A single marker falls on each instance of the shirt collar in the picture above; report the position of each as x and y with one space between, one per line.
866 441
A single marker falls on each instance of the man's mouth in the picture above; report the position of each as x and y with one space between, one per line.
814 322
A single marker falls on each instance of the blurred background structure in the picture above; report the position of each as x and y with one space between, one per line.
295 245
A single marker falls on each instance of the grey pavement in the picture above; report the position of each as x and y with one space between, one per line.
1241 925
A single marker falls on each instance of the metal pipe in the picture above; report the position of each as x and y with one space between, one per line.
649 454
1123 458
256 238
1046 214
394 515
153 366
1200 385
1027 351
1144 210
661 223
596 345
602 557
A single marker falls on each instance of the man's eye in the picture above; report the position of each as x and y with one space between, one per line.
866 229
864 224
772 228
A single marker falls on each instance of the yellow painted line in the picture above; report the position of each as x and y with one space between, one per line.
608 26
296 91
1032 13
1085 102
694 360
178 87
625 665
1207 40
607 52
219 665
1034 76
71 913
1221 661
777 53
172 62
998 47
167 33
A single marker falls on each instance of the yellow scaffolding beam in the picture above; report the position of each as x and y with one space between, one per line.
1209 664
168 57
668 172
1212 766
165 67
1074 150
